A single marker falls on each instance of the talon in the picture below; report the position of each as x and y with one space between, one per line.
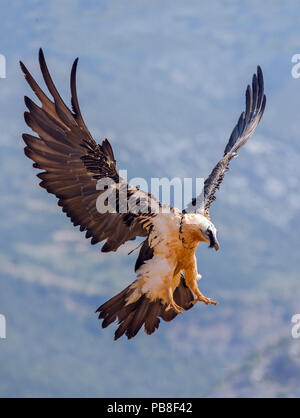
212 302
207 301
175 307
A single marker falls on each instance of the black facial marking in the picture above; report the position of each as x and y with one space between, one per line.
212 240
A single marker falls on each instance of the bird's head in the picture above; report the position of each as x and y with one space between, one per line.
202 228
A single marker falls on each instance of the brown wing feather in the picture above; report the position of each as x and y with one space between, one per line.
73 163
244 129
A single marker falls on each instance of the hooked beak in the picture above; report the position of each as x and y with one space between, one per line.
216 246
213 242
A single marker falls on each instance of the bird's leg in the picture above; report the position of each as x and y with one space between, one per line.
190 276
170 282
172 304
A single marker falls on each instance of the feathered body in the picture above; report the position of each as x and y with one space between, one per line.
174 239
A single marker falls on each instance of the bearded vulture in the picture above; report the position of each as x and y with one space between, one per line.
72 163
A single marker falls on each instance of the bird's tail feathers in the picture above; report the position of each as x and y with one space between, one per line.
132 316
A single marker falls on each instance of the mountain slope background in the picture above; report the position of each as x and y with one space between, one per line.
165 83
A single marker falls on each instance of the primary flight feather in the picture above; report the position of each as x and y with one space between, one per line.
73 164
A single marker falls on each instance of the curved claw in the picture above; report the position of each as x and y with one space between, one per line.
175 307
211 302
207 301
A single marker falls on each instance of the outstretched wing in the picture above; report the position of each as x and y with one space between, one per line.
73 163
244 129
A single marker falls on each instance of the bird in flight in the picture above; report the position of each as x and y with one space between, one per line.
72 164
